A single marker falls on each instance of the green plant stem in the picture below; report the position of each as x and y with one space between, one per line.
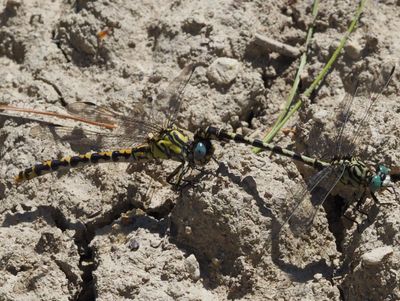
267 138
320 76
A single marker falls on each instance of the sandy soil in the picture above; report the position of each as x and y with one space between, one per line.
99 233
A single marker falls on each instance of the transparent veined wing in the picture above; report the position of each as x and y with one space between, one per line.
135 125
117 129
112 129
353 127
91 139
380 86
308 198
171 97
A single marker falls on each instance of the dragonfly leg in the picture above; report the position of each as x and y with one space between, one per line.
352 220
172 175
375 199
204 171
358 206
396 197
176 177
192 182
344 209
187 183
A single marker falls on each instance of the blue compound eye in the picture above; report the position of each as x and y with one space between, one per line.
375 184
200 151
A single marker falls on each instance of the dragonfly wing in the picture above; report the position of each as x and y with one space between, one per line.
92 112
377 91
134 127
343 120
171 98
308 198
85 138
352 126
134 123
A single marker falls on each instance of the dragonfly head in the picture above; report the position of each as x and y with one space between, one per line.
202 151
381 179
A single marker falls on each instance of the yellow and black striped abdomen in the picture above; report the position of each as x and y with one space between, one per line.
142 152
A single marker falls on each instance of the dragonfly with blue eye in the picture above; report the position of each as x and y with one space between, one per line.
170 142
342 167
159 142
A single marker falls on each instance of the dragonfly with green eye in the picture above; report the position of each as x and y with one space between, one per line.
344 168
158 141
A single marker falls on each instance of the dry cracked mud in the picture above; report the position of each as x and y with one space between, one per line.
119 232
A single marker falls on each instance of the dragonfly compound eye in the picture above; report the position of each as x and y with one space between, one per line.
200 151
383 170
376 183
384 174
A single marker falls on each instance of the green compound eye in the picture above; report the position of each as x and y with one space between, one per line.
382 170
376 183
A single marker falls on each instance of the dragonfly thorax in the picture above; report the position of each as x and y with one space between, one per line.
170 144
354 171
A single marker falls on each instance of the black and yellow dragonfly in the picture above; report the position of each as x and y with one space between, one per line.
148 140
166 141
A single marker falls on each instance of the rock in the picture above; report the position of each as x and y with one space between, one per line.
353 50
321 116
223 71
13 5
188 230
133 245
376 256
192 267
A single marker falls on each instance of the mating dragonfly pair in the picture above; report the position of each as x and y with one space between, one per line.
168 142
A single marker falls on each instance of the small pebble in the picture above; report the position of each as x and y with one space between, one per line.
376 256
353 50
223 71
155 243
270 72
216 262
116 227
318 276
188 230
133 245
321 116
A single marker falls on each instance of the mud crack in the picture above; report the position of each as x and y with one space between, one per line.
87 261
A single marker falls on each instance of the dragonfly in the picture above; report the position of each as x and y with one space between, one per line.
170 142
344 167
147 140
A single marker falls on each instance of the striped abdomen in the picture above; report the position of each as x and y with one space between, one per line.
142 152
219 134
